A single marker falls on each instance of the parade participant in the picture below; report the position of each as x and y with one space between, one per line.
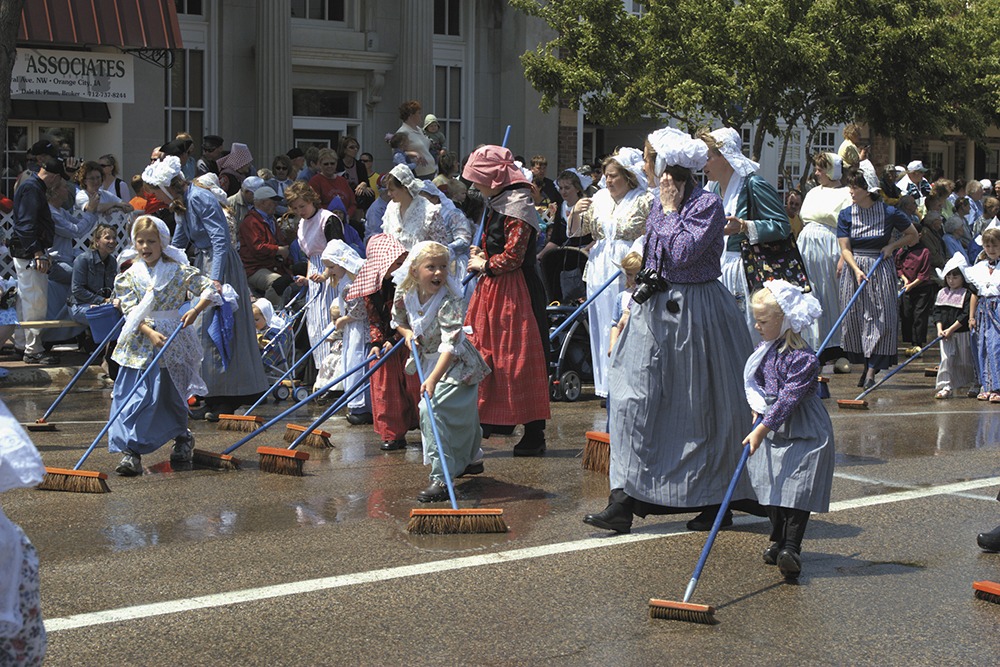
985 313
151 293
679 359
913 267
456 224
201 224
864 230
793 473
615 217
428 311
951 319
753 207
507 309
395 394
22 633
631 265
409 218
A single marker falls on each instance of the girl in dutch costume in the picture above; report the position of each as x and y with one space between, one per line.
792 473
985 309
151 293
428 312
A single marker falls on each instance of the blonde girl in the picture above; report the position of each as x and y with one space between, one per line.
984 319
631 264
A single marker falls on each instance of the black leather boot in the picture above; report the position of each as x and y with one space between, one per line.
532 443
617 516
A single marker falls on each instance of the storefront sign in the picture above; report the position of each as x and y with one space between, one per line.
79 75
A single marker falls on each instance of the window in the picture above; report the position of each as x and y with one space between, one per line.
322 103
188 6
321 10
636 7
448 103
746 139
185 94
825 142
447 18
794 162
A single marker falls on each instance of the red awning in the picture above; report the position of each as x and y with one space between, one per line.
142 24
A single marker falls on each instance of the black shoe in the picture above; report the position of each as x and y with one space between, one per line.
870 383
434 493
771 554
861 380
211 416
532 444
360 418
706 520
616 517
394 445
42 359
989 541
789 564
473 469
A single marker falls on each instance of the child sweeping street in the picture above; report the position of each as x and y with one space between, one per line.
984 316
428 312
793 473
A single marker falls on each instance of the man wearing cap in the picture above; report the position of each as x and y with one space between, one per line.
39 152
914 183
298 159
33 234
264 250
241 202
211 150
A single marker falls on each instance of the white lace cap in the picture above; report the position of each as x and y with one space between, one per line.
585 181
339 253
173 253
674 147
800 309
632 159
731 145
993 223
957 261
160 173
403 174
836 168
871 178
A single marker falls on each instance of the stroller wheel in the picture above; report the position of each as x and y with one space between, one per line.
301 393
571 385
281 393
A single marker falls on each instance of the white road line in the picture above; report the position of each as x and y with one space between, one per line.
327 583
885 482
843 414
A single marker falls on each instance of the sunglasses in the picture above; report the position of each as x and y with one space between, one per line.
104 165
327 164
364 159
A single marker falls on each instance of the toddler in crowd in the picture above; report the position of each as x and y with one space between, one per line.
793 473
272 338
401 153
432 130
951 317
631 264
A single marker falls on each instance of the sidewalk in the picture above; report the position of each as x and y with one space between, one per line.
52 378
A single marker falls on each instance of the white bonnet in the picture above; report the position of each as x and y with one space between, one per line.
867 169
800 309
957 261
632 159
836 169
162 172
173 253
993 223
210 182
339 253
674 147
730 144
585 181
403 174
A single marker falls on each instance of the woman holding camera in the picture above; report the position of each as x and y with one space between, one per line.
676 375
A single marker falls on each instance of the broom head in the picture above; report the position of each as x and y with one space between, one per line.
450 522
852 404
987 590
41 425
204 459
822 390
681 611
241 423
597 452
317 439
282 461
75 481
931 372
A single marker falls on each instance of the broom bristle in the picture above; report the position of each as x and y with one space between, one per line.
851 404
74 481
987 590
204 459
931 372
282 461
451 522
317 439
681 611
41 425
597 452
240 423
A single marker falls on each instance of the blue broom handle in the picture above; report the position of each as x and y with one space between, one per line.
897 369
121 407
355 389
263 397
434 427
291 320
583 306
477 240
719 517
850 303
96 353
274 420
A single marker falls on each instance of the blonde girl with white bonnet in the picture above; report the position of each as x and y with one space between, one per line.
792 474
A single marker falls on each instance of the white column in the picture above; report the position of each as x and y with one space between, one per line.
274 76
415 63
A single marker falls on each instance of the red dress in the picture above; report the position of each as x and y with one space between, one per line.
506 332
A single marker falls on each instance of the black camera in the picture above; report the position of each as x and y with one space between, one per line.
649 282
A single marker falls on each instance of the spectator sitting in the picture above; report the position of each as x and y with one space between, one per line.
311 167
241 202
211 150
90 179
328 183
93 281
264 249
298 158
373 216
233 168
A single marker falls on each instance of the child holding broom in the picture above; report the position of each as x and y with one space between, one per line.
951 317
793 473
631 264
151 293
984 316
428 312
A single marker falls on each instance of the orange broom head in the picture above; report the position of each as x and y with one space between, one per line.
681 611
75 481
317 439
823 379
41 425
450 522
597 452
851 404
242 423
204 459
931 372
987 590
282 461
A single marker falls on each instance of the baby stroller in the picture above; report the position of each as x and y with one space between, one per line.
280 353
569 354
562 274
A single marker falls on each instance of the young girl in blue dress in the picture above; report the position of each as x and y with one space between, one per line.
151 293
984 316
793 473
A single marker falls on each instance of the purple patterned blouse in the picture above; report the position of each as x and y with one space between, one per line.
791 376
686 246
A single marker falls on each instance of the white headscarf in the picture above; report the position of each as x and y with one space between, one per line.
155 279
423 315
731 145
403 174
210 182
631 159
585 181
161 173
267 312
676 148
339 253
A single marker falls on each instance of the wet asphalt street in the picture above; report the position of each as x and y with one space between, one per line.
247 568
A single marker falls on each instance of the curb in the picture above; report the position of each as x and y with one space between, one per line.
53 378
